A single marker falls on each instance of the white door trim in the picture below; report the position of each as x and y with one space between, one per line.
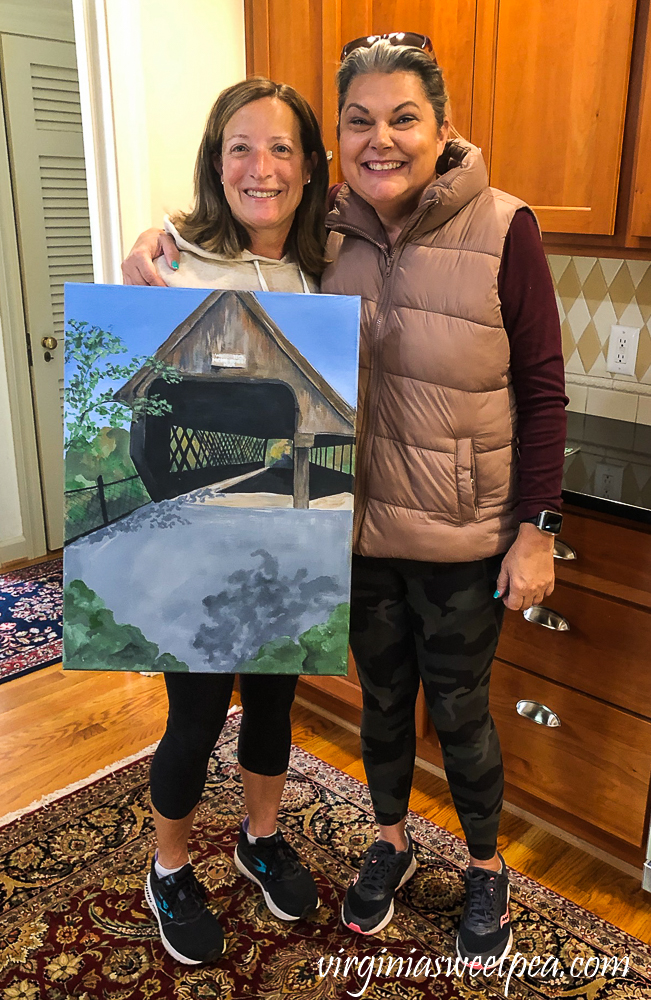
12 317
91 37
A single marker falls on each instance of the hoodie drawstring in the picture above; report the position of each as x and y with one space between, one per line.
265 287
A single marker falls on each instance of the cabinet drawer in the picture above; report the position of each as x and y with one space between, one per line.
605 653
596 765
611 558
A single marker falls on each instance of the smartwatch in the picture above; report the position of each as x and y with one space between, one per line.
548 520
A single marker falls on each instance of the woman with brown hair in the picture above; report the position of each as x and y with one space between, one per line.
257 223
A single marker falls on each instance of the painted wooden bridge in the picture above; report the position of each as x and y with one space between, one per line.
244 387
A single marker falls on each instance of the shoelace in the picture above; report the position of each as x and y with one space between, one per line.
186 897
480 897
377 864
283 862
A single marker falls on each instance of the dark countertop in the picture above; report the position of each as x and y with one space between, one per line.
609 468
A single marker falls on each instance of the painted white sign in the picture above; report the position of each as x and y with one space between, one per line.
228 361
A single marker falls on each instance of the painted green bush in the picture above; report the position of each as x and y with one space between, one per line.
93 640
322 649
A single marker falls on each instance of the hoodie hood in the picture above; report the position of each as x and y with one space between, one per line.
198 251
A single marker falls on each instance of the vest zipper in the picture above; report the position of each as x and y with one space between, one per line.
363 470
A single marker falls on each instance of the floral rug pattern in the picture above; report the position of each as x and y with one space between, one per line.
31 618
74 922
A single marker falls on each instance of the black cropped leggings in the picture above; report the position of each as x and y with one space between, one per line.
198 704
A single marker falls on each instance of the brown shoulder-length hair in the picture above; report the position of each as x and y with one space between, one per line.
210 222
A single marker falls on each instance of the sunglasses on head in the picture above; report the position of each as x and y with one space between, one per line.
412 39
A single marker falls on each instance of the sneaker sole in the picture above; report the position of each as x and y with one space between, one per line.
498 959
170 949
386 919
277 912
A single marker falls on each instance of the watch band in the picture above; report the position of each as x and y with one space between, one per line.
549 521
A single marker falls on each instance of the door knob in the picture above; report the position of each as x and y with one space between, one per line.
49 343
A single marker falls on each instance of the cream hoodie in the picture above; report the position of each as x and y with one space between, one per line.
199 268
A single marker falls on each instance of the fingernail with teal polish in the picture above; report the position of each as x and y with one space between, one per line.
175 265
496 594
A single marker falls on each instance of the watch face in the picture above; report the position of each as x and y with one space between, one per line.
550 521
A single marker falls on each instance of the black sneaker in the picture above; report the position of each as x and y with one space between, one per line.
287 886
485 935
368 906
189 931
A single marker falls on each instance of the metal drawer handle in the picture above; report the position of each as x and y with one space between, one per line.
547 618
538 713
562 550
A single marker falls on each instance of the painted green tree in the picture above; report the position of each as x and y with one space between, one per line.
93 640
90 354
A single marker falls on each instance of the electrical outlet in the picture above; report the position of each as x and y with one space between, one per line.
608 481
622 349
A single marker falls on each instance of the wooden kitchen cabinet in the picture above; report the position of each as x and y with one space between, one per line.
557 94
299 42
640 210
550 91
592 775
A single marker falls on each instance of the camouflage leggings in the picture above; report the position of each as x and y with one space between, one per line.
439 623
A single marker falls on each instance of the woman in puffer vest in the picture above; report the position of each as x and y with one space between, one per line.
461 436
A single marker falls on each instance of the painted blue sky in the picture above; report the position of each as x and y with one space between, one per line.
323 327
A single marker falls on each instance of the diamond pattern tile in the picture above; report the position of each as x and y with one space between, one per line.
589 346
643 364
594 294
578 317
569 287
621 290
595 289
643 295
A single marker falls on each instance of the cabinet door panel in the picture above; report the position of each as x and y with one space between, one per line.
605 652
299 42
641 213
560 86
613 559
596 765
450 25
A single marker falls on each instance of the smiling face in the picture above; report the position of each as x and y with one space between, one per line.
263 170
389 142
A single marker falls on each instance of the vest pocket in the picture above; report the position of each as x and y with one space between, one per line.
466 484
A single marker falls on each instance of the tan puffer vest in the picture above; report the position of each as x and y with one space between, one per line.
437 423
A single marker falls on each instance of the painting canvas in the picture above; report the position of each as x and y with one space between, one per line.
210 458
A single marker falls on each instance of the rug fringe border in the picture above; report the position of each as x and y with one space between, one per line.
75 786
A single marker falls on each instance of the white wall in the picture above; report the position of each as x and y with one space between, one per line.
168 61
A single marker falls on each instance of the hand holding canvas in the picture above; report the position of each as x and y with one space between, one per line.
138 268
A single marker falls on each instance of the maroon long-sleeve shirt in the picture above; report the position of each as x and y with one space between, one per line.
532 323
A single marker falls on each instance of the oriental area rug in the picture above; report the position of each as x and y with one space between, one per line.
74 922
31 618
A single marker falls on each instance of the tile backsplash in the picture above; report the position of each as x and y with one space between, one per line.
593 294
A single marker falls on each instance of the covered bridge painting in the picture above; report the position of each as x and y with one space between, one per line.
243 385
211 453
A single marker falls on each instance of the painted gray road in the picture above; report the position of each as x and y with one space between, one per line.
210 584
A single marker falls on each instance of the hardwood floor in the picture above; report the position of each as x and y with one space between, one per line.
57 727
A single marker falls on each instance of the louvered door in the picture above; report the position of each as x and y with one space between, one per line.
49 183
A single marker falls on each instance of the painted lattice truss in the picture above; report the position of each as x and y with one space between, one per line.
340 458
200 449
